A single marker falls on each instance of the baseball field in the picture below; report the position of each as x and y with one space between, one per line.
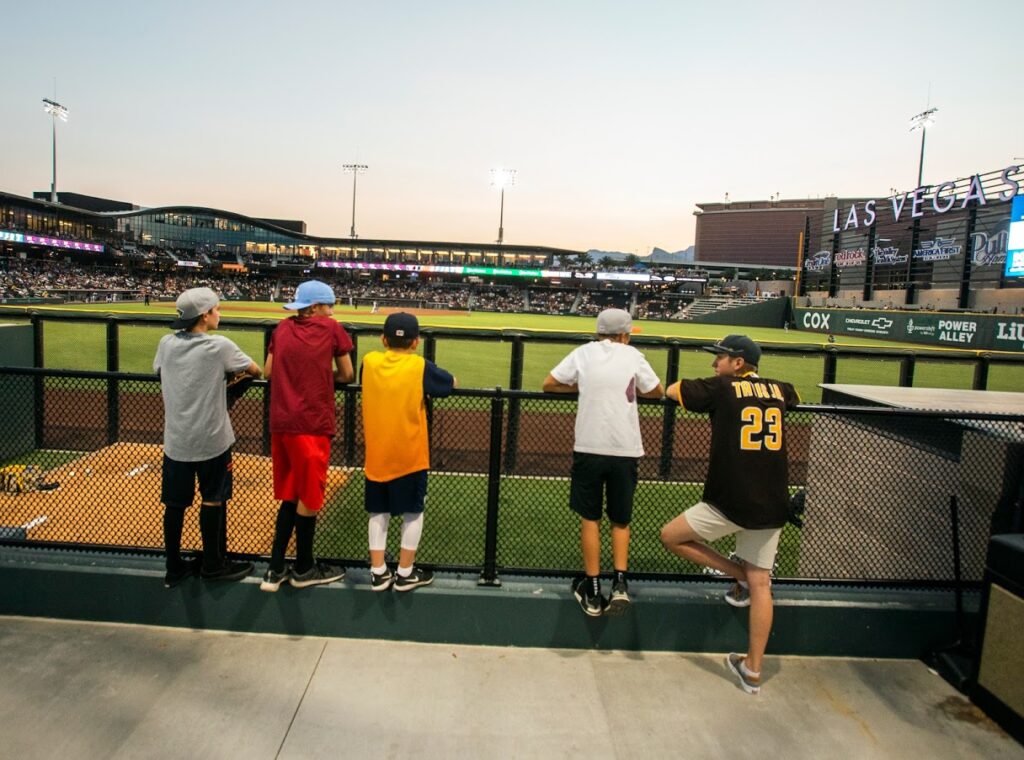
482 363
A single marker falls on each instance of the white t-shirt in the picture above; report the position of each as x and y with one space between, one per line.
608 375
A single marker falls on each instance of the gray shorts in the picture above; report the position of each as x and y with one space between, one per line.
756 547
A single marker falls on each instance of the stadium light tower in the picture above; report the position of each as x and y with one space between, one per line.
922 121
502 178
356 170
56 111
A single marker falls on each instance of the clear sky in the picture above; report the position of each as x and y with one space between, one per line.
618 116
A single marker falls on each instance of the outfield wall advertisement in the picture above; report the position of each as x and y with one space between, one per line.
972 332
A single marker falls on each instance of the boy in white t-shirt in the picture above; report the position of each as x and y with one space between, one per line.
609 375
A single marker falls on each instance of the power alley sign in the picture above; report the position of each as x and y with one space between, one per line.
978 332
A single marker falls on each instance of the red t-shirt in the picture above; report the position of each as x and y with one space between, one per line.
302 375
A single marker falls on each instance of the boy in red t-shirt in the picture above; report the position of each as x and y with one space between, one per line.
302 351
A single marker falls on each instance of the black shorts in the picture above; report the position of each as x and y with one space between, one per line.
399 496
178 488
593 475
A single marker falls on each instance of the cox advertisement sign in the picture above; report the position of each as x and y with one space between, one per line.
977 332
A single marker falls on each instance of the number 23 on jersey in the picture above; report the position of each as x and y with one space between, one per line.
762 428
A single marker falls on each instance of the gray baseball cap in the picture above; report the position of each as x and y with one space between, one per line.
193 303
614 322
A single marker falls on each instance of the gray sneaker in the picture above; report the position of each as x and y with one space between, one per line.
317 575
272 581
588 594
750 683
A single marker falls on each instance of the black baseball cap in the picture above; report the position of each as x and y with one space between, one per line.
737 345
401 325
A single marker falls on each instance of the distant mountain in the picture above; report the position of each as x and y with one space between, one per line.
657 256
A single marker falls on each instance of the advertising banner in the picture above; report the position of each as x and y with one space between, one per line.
973 332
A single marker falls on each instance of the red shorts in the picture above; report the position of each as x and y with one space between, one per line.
300 467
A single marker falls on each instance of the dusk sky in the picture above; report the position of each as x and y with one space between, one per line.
617 116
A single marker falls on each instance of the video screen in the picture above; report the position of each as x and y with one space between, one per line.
1015 242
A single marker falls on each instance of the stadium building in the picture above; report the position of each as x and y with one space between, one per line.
762 233
939 247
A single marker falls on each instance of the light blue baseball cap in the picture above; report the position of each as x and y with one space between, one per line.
309 293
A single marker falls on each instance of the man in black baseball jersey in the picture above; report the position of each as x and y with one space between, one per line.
746 492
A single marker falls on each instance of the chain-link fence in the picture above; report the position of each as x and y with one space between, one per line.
881 489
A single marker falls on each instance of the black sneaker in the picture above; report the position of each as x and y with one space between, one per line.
188 568
228 571
619 601
272 580
383 581
419 576
588 594
317 575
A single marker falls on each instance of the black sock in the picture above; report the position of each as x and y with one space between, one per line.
305 528
620 575
282 535
174 520
209 529
593 585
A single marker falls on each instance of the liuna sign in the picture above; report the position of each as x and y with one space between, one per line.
973 332
915 204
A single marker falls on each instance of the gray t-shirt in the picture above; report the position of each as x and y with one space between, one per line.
193 369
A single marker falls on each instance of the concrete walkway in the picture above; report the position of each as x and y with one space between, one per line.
85 690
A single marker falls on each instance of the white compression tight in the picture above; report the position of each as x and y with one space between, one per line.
412 530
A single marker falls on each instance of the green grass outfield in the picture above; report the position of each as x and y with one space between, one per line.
480 363
536 528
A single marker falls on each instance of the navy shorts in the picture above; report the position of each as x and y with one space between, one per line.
178 487
399 496
594 475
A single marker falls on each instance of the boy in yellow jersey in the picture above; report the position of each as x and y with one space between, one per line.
396 383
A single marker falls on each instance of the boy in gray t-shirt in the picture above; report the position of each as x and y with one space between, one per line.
193 367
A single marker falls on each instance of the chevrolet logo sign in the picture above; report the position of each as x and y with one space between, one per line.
882 323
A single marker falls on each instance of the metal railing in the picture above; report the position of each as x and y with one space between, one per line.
878 484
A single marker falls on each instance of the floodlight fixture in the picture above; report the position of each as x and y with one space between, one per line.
502 178
56 111
922 121
356 170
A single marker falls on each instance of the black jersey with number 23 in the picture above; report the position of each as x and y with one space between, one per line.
747 475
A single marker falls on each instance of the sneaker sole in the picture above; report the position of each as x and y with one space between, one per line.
270 586
411 586
734 603
617 607
383 586
316 582
587 611
739 677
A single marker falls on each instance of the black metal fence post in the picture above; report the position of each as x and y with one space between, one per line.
907 372
113 396
267 333
350 426
829 372
489 576
515 383
38 384
980 374
668 416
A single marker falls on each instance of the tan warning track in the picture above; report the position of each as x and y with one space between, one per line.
112 496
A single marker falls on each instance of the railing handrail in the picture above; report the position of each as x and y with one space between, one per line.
499 392
924 353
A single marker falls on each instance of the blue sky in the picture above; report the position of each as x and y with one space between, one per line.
618 117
